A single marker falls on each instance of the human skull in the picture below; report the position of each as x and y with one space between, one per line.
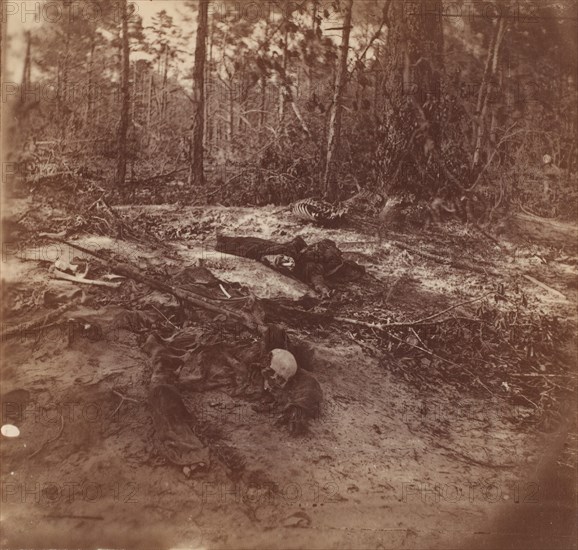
282 367
547 159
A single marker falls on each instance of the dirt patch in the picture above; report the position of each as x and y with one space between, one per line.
386 465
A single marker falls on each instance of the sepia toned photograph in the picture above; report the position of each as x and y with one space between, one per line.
289 274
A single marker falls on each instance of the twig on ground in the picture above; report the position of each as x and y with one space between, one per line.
452 307
383 326
446 261
487 235
467 458
48 441
72 516
476 378
544 286
165 317
123 398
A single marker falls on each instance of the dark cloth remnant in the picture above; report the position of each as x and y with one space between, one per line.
255 248
198 360
174 437
297 403
315 264
302 397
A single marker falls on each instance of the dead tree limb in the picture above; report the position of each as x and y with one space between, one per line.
247 319
383 326
384 22
477 227
37 324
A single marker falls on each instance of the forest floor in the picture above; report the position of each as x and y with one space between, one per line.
390 463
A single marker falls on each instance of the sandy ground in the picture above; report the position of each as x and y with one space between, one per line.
385 466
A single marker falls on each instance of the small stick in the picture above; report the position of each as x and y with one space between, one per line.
417 336
71 516
47 442
545 286
452 307
542 375
165 318
123 398
487 235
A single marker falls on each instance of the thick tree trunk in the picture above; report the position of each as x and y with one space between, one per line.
196 171
413 67
134 94
125 103
329 183
207 130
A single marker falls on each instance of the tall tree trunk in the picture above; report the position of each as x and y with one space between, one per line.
284 61
484 93
196 171
334 134
231 115
314 9
26 69
377 83
90 78
263 101
164 95
125 102
63 85
413 65
207 131
133 115
149 102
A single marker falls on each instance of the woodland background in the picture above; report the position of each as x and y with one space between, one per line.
286 100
